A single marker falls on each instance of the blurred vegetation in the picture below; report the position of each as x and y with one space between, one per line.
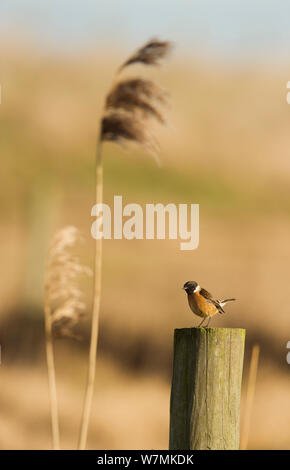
226 148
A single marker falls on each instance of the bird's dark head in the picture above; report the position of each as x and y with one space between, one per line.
190 287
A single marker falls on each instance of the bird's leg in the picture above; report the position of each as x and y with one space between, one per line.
201 322
208 322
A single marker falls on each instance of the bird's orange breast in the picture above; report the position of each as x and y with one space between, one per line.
200 306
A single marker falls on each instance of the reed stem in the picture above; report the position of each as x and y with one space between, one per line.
51 381
250 396
96 311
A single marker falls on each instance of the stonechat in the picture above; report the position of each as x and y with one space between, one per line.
202 303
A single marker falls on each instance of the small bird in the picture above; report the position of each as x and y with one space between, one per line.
202 303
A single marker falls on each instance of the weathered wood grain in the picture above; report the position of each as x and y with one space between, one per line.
206 388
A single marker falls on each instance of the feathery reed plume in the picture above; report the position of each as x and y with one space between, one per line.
126 111
137 96
150 54
119 126
250 396
63 304
144 87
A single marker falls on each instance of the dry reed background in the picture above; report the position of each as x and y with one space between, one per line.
228 149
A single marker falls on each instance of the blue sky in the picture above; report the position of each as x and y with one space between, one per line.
248 28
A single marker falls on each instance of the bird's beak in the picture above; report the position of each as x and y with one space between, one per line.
182 288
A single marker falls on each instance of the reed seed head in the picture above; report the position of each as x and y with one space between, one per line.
63 300
119 126
137 96
150 54
132 101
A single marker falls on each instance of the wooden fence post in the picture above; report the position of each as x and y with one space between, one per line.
206 388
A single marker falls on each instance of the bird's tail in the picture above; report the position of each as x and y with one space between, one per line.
224 302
